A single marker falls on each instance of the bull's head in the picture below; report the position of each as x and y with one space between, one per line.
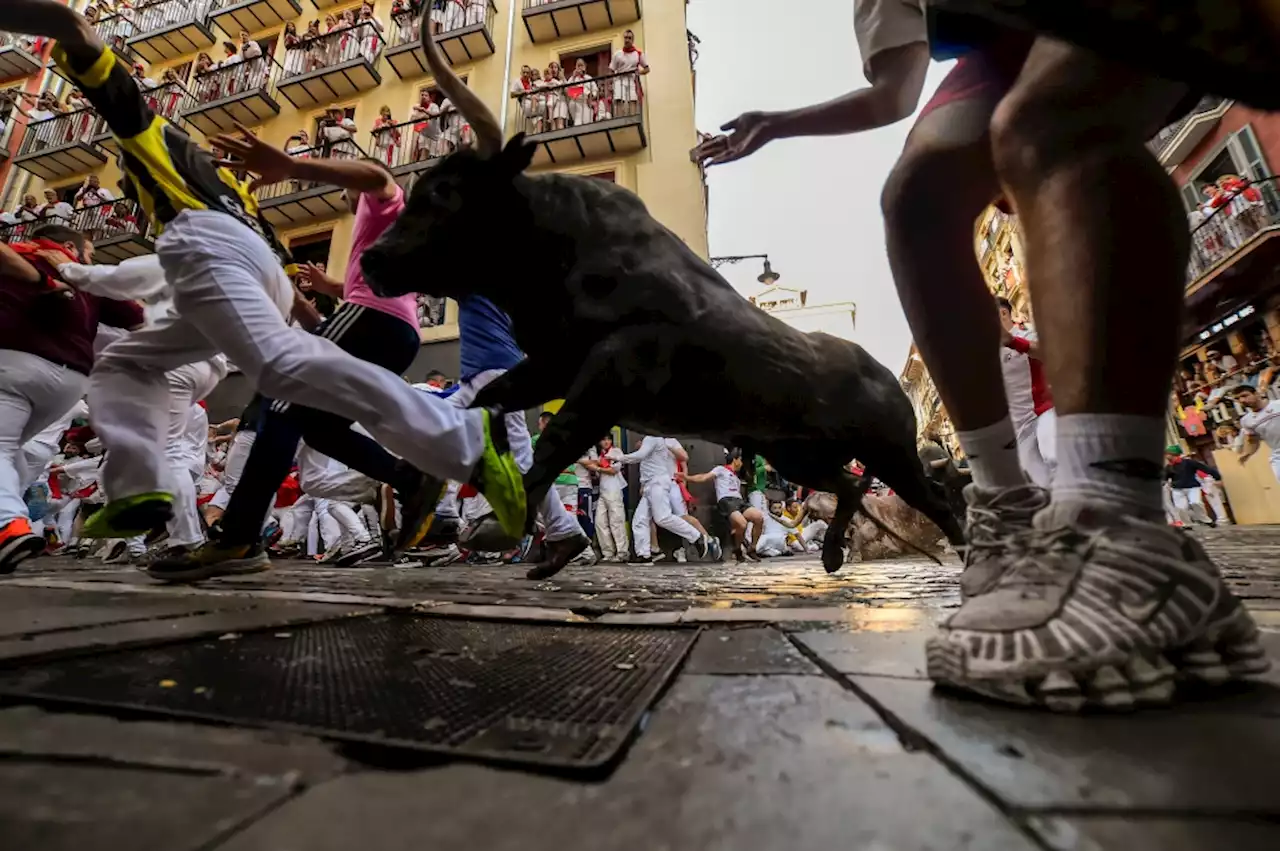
458 209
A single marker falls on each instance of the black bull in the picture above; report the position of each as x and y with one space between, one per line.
620 319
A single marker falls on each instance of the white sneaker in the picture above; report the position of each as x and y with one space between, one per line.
994 519
1097 610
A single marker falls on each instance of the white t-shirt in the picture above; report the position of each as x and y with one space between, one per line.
727 483
613 484
881 25
623 61
1264 425
1228 363
1016 370
583 474
655 458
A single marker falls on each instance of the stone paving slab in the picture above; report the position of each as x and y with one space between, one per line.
83 782
746 651
25 612
1145 833
880 654
727 764
1220 755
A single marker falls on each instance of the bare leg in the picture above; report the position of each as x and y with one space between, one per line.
755 517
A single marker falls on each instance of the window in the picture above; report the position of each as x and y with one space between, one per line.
605 175
335 133
596 58
1240 154
315 249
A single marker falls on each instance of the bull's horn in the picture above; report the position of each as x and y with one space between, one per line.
484 125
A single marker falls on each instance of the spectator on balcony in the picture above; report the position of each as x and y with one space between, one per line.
313 49
28 210
557 101
208 84
530 103
55 207
439 15
405 20
629 61
122 219
93 193
293 51
1226 364
371 31
344 45
337 135
255 67
167 100
1244 202
386 138
582 94
140 77
426 128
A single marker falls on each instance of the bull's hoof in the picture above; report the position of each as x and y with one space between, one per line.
832 560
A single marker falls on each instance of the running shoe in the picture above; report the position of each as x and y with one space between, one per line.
638 560
131 516
559 554
438 555
995 518
418 512
209 560
17 544
499 478
1097 610
118 554
358 553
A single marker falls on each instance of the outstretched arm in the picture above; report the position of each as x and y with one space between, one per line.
700 477
273 165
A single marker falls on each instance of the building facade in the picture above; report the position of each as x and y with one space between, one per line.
792 306
363 90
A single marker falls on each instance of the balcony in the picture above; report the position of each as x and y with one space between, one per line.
1234 246
466 35
298 202
580 121
166 101
63 146
1172 144
236 16
244 93
332 67
412 147
548 20
170 29
19 56
118 230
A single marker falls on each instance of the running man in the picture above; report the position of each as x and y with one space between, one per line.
1259 425
729 502
232 294
1078 597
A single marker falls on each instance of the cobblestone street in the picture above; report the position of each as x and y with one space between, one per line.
801 719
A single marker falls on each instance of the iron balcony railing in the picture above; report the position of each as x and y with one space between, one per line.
1238 219
112 220
364 40
1208 103
117 29
421 140
244 77
579 103
69 127
99 222
28 43
166 100
166 14
345 149
446 16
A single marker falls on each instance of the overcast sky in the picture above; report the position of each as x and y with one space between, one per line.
812 205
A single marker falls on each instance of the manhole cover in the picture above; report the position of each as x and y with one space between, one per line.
563 696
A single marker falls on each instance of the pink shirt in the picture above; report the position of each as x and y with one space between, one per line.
373 217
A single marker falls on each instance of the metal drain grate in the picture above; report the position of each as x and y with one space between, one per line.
563 696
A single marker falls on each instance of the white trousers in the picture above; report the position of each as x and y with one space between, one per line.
611 525
232 296
34 393
656 505
237 455
1188 505
1213 495
772 545
1037 448
187 385
557 524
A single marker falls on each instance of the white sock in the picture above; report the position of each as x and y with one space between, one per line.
1113 459
993 456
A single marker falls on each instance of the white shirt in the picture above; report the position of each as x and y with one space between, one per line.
1264 425
340 132
89 197
623 61
881 25
252 50
727 483
61 209
1228 363
1015 367
613 484
655 458
583 474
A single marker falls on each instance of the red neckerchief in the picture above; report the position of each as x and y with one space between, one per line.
629 48
28 250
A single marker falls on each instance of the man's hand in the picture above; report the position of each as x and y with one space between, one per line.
272 165
751 131
312 277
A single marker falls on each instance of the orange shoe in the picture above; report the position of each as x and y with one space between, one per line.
17 544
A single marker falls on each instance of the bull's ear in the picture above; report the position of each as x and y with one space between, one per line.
517 155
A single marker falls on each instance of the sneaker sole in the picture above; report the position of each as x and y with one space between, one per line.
1227 651
231 567
14 552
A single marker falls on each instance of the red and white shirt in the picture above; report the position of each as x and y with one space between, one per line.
1025 384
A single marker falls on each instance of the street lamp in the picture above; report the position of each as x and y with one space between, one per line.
768 277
